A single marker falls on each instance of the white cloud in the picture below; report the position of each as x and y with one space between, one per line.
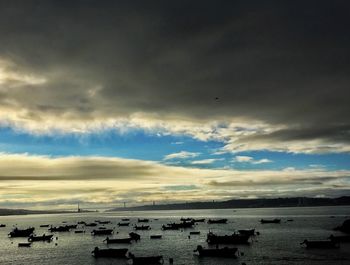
251 160
181 155
206 161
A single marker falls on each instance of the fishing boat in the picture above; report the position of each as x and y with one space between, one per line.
270 221
26 244
195 232
227 239
217 221
102 232
248 232
110 252
44 225
199 220
104 222
2 225
320 244
183 224
79 231
126 240
339 239
44 237
145 220
142 227
155 236
186 219
216 252
135 236
72 226
123 224
64 228
146 259
21 232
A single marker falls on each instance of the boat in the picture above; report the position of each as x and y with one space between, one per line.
195 232
146 259
155 236
2 225
102 232
199 220
110 252
44 237
186 219
123 224
339 239
79 231
227 239
72 226
248 232
142 227
125 219
64 228
217 221
44 225
183 224
26 244
345 227
126 240
135 236
216 252
21 232
91 224
270 221
320 244
145 220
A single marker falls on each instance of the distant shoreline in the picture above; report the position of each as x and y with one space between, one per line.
243 203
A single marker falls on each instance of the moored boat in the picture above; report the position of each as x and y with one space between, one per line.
26 244
135 236
91 224
126 240
21 232
145 220
155 236
270 221
61 228
142 227
202 220
110 252
2 225
123 224
44 237
217 221
102 232
216 252
227 239
146 259
248 232
195 232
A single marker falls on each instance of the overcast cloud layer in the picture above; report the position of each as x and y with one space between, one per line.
251 75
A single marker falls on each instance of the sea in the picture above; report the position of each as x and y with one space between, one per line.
276 244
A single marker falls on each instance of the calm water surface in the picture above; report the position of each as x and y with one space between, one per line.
277 243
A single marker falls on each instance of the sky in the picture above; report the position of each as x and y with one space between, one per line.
106 102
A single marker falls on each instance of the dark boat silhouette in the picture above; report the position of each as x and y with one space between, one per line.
44 225
270 221
155 236
44 237
21 232
202 220
110 252
339 239
103 222
125 219
26 244
345 227
175 226
217 221
102 232
227 239
123 224
195 232
216 252
186 219
91 224
2 225
248 232
320 244
79 231
126 240
146 260
142 227
145 220
135 236
64 228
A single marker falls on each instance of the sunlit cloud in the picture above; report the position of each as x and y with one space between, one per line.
181 155
251 160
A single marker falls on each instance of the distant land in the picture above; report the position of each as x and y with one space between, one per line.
4 212
243 203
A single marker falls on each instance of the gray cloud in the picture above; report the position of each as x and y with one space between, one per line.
276 62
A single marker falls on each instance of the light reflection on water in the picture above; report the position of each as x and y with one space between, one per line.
277 244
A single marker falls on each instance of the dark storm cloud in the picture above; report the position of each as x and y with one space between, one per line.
273 61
